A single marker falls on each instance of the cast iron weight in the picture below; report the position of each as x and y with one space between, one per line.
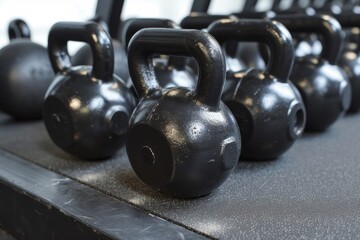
83 55
201 21
324 87
349 59
25 74
18 28
268 108
86 109
181 142
238 56
170 71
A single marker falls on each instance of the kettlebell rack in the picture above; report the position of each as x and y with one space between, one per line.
310 191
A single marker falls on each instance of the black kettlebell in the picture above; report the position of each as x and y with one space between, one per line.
18 28
25 74
86 109
170 71
84 56
201 21
268 108
349 58
181 142
323 86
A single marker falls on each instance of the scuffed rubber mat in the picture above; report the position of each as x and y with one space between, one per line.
312 191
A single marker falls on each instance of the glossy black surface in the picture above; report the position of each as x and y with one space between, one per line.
18 28
86 109
304 44
84 55
25 74
323 85
181 142
268 109
170 71
202 21
349 59
309 44
133 25
110 12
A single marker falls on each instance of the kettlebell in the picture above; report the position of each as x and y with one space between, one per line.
267 107
323 86
349 58
201 21
18 28
182 142
83 56
170 71
86 109
25 74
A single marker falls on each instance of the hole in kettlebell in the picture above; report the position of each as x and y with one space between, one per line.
299 122
148 155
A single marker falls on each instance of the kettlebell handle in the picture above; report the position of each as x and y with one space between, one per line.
89 32
202 20
193 43
348 19
272 33
18 28
131 26
255 15
325 25
101 21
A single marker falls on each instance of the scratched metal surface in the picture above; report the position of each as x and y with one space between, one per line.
313 191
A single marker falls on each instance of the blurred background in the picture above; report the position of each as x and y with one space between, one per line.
42 14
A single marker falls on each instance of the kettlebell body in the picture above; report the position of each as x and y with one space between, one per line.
181 142
271 125
268 108
349 58
25 74
86 109
349 61
323 86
